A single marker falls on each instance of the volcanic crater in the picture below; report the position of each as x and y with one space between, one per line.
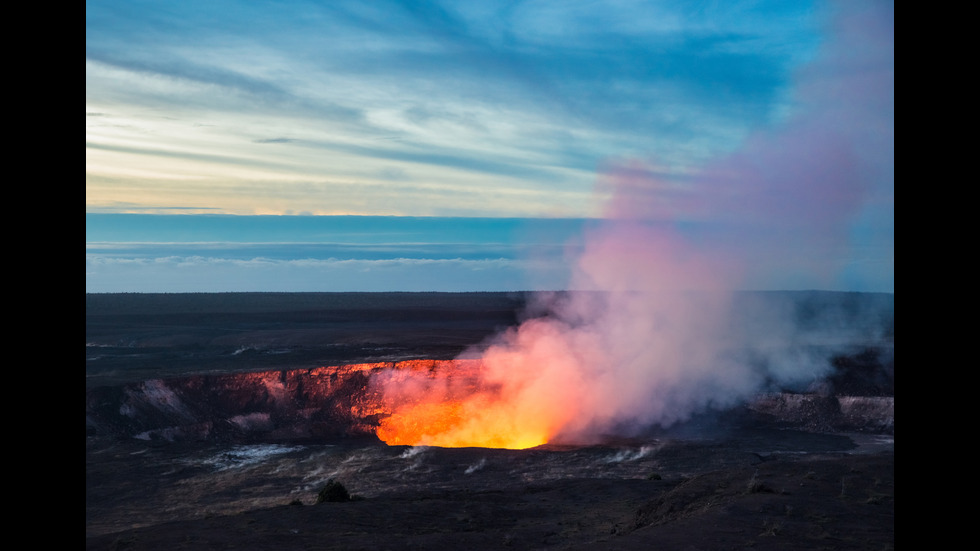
215 419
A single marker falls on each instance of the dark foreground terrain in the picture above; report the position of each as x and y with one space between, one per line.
136 336
789 471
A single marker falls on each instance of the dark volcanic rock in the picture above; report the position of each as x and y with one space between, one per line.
333 492
823 413
870 372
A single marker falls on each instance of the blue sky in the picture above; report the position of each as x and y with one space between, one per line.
520 110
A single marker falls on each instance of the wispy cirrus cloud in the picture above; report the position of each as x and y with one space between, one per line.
465 97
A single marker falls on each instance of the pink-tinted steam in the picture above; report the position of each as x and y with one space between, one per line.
657 342
651 339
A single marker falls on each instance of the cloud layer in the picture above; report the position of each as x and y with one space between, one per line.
424 108
760 136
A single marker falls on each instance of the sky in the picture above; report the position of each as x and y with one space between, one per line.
413 145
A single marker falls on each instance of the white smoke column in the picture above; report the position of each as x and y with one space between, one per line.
797 196
649 344
658 341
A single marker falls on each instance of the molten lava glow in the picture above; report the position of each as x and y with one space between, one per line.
474 422
453 404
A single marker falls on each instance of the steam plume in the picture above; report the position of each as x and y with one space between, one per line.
653 335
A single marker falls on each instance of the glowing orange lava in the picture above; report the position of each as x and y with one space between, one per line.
452 404
455 424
